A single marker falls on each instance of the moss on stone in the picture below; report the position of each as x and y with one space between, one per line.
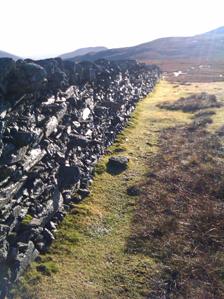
27 219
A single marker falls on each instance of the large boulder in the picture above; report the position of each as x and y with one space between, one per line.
23 138
27 77
68 177
117 164
56 75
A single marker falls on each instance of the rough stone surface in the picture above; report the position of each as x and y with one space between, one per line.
119 161
56 120
117 164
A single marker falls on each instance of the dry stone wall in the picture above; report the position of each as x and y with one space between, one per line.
56 120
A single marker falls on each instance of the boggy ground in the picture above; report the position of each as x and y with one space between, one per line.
166 242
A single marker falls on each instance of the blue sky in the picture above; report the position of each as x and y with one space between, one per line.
45 28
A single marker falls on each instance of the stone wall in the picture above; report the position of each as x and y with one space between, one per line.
56 119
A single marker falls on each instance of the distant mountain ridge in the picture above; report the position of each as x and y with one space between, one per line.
206 46
82 51
4 54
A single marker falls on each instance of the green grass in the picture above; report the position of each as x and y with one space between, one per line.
100 168
47 268
90 247
26 220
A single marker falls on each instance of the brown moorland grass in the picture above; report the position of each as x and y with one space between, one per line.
195 70
179 219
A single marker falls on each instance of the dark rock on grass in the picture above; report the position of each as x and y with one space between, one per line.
117 164
83 192
47 268
133 191
48 236
41 247
76 199
193 103
41 268
204 114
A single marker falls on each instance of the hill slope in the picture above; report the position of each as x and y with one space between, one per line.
207 46
4 54
82 51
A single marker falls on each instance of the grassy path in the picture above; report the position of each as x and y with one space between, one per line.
89 258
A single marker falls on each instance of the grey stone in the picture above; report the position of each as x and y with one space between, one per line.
48 236
5 172
3 251
24 138
23 260
118 162
33 157
83 192
79 140
26 77
51 126
4 229
68 176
